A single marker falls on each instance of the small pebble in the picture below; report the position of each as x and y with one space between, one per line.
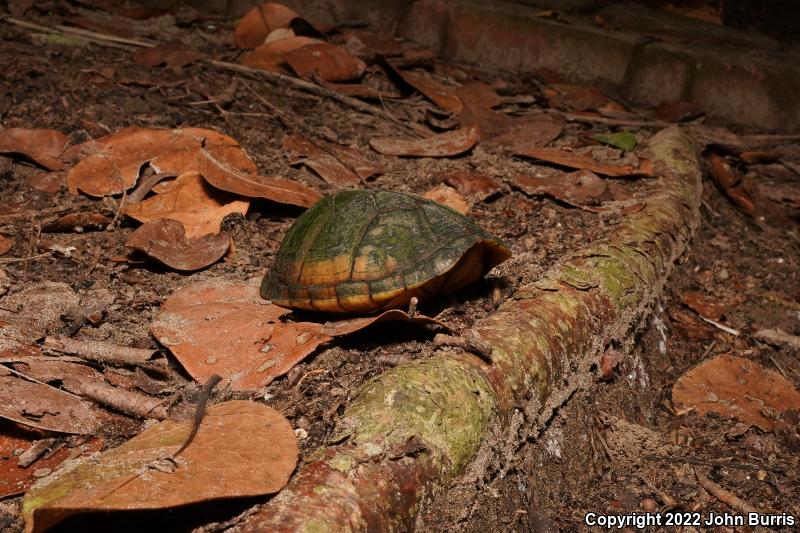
649 505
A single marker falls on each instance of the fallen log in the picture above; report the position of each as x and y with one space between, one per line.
417 426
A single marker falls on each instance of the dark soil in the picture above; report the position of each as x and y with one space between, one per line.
590 458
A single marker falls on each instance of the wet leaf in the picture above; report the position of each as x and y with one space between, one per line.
14 479
736 387
326 165
112 164
170 55
586 162
271 56
42 146
44 407
623 140
325 61
241 449
472 185
700 304
6 243
224 177
226 328
446 195
166 241
191 201
260 21
442 145
435 91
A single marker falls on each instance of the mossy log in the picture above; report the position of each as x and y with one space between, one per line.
415 427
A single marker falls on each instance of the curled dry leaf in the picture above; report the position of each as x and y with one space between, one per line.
580 189
431 89
191 201
166 241
325 61
271 56
41 406
226 328
112 164
472 185
241 449
6 243
742 192
42 146
227 178
442 145
736 387
260 21
14 479
446 195
323 163
586 162
173 56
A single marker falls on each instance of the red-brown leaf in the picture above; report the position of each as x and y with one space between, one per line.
166 241
43 146
441 145
585 162
325 61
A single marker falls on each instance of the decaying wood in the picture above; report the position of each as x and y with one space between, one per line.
543 345
105 352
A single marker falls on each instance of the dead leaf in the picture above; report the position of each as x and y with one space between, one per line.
78 222
742 192
271 56
166 241
431 89
36 308
41 406
173 56
51 182
446 195
326 165
575 97
226 328
191 201
241 449
736 387
472 185
325 61
446 144
527 133
689 326
15 479
676 111
361 90
579 189
697 302
367 45
259 22
112 164
6 243
585 162
353 159
42 146
224 177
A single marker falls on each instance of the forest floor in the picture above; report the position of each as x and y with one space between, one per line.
624 445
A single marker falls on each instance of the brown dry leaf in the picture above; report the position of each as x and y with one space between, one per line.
271 56
446 144
226 328
112 164
6 243
51 182
478 99
527 133
575 97
191 201
259 22
361 90
13 478
578 188
44 407
326 165
226 178
325 61
743 193
353 159
689 326
166 241
78 222
446 195
173 56
36 309
241 449
367 45
584 162
736 387
472 185
697 302
438 93
42 146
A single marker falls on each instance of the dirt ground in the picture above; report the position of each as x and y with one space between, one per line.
618 447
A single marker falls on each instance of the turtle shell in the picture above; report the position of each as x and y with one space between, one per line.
361 251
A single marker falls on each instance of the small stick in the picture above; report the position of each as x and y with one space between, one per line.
32 454
105 352
97 38
29 258
472 344
724 495
145 185
668 500
200 412
723 327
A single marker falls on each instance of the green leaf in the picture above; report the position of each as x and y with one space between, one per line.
623 139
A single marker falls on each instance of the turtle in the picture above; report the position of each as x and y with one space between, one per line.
366 251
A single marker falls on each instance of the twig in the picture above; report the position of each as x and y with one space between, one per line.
724 495
36 450
132 403
710 462
105 352
778 337
34 380
573 117
723 327
145 186
29 258
105 37
200 412
97 38
668 500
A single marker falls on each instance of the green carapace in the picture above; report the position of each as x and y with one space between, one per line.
366 251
